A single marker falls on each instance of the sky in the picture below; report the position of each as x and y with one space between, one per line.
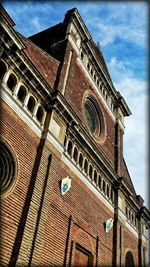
121 29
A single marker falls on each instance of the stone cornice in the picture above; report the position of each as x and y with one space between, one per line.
7 24
123 105
74 15
140 211
145 214
6 17
16 58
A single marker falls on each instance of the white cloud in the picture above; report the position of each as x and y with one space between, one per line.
126 32
135 92
107 20
36 23
119 69
122 20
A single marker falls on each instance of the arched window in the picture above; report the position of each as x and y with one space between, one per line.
22 93
88 66
101 86
65 140
69 149
107 191
39 114
127 212
104 186
3 70
129 260
11 82
82 55
111 195
112 107
103 91
99 181
106 95
129 215
80 160
31 104
132 217
90 171
75 154
95 176
85 166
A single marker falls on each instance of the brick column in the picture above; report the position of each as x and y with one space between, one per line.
116 228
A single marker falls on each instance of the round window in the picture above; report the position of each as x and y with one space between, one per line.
94 117
7 168
91 116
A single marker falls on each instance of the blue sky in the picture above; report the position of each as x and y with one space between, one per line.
121 28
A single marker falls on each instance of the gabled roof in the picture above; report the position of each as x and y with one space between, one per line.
5 16
73 13
127 177
57 33
100 58
50 36
45 64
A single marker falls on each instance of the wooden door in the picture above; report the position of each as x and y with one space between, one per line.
82 258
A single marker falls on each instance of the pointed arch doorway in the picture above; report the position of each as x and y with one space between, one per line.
129 260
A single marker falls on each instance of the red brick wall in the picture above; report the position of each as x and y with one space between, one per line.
130 244
57 232
77 84
88 217
23 142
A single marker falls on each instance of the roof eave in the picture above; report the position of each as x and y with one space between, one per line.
123 105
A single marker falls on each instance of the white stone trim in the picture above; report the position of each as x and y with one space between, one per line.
87 182
52 140
73 44
126 223
144 238
131 229
15 38
20 110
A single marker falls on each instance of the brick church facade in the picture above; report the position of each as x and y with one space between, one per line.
67 198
